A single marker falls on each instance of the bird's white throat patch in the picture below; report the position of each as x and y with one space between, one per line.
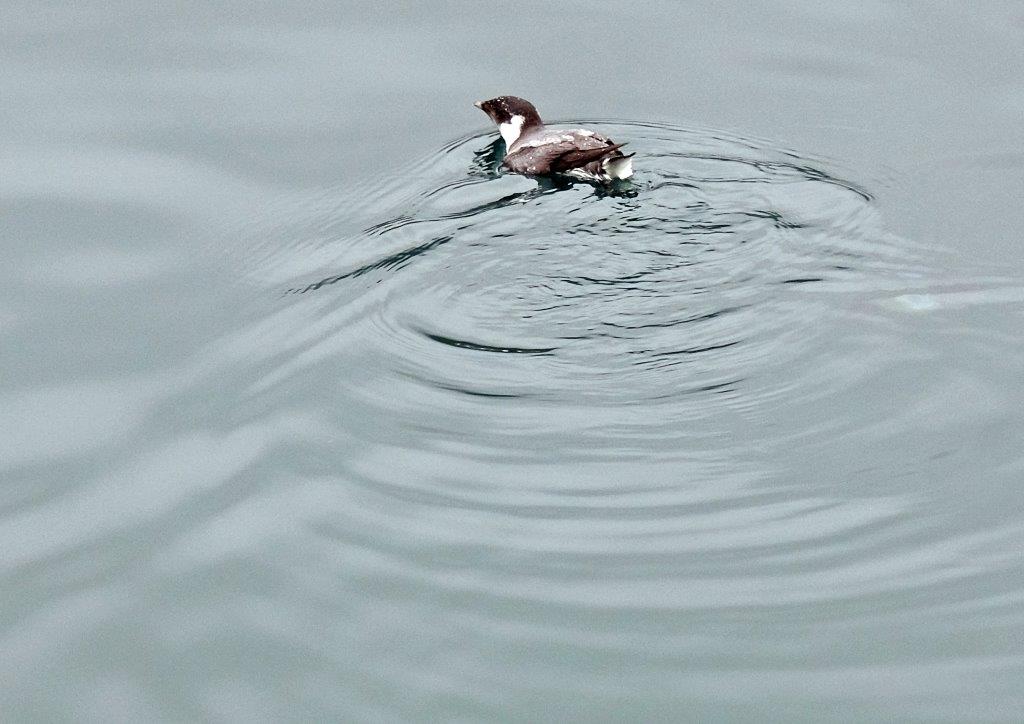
510 131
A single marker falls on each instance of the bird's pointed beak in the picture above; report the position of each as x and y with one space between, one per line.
479 104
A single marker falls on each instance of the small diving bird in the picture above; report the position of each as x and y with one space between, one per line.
536 150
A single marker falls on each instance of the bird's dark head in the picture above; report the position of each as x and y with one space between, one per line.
512 116
504 109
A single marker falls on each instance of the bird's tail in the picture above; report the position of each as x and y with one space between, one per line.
620 167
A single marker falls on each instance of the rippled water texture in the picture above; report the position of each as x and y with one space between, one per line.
737 440
585 442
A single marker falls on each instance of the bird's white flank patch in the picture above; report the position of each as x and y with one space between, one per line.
618 168
510 131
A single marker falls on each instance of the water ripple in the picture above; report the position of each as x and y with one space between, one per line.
515 421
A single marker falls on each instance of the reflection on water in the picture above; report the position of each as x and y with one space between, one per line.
449 443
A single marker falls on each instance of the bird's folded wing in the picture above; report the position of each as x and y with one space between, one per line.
582 156
559 156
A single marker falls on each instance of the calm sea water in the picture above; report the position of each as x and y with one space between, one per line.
308 412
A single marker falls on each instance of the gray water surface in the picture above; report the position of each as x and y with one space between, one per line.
309 412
